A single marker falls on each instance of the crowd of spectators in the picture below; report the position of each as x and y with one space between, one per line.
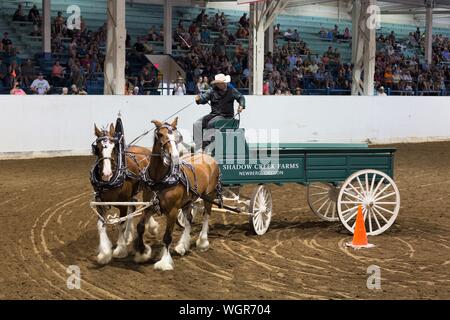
209 48
206 56
401 67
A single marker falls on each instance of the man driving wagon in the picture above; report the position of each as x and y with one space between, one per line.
222 97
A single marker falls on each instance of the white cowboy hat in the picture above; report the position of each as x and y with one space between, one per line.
221 78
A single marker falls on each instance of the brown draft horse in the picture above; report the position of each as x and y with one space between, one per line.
201 172
137 159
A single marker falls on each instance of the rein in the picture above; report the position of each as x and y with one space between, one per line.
147 132
121 171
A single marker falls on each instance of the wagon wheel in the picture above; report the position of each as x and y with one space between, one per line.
322 199
378 195
261 208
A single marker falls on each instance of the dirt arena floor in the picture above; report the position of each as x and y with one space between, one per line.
47 225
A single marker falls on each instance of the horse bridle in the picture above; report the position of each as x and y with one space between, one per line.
105 137
171 130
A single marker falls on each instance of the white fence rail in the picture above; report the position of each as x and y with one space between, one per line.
64 125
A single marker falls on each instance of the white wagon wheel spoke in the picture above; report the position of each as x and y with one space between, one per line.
322 199
385 196
372 184
261 209
375 218
377 194
381 215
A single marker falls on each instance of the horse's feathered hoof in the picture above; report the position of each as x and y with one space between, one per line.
181 249
104 257
202 244
164 264
120 252
143 257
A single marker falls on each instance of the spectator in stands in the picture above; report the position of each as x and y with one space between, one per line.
151 34
14 73
330 35
128 40
18 14
412 40
244 21
381 92
205 84
147 80
17 90
34 16
242 33
57 74
288 35
335 32
65 91
161 33
40 85
28 73
266 88
199 85
295 36
298 91
276 31
223 19
347 34
7 43
388 77
200 18
417 35
179 88
391 37
205 35
75 90
77 75
59 24
322 32
4 75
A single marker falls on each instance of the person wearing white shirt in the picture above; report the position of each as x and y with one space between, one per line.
40 85
180 88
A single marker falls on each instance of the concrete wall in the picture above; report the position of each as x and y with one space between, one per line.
63 125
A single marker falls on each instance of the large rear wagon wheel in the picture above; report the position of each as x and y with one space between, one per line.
261 208
378 195
322 198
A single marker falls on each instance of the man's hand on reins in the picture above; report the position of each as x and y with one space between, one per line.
197 99
240 109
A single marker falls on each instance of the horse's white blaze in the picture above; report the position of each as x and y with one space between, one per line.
175 156
185 240
105 247
166 262
106 153
202 241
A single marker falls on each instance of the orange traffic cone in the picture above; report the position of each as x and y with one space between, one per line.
360 235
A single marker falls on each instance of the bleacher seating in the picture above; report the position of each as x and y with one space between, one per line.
140 17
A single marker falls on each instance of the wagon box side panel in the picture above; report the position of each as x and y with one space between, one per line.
381 162
335 167
285 169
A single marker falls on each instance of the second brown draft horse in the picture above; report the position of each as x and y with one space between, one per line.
178 182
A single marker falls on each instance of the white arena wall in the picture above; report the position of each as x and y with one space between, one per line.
40 126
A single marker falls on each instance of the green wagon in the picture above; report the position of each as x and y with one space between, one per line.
339 178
